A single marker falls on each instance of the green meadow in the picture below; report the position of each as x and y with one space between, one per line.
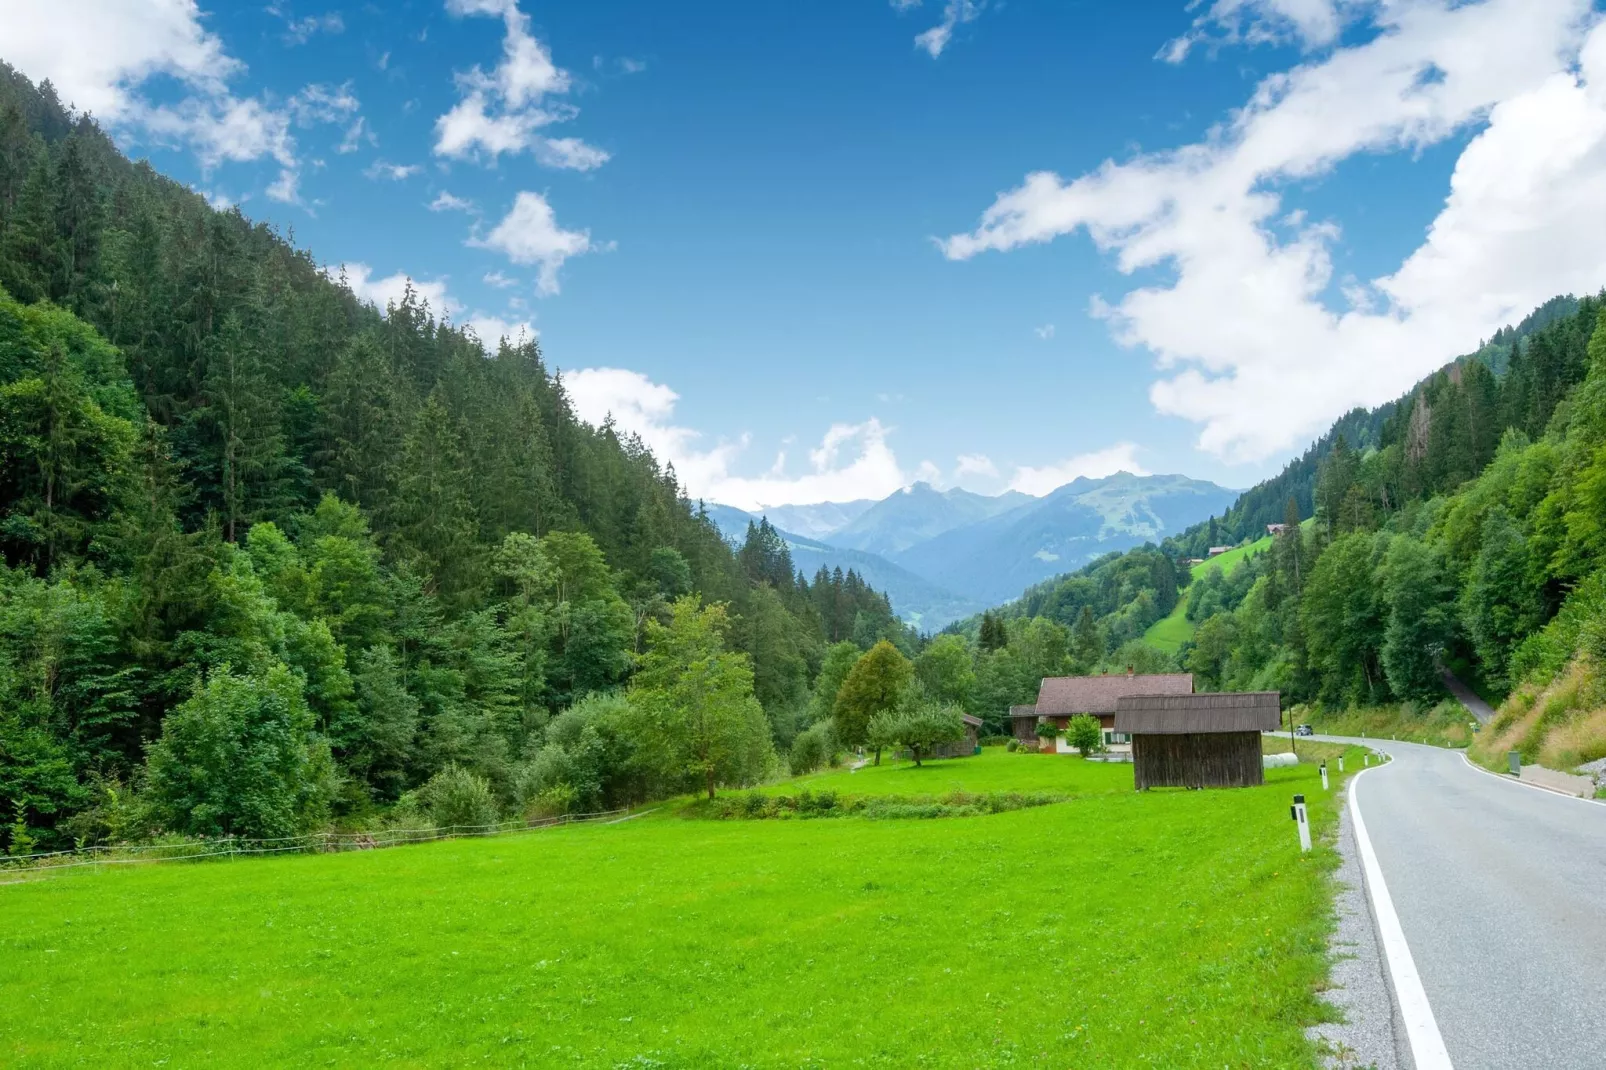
1176 929
1171 631
994 769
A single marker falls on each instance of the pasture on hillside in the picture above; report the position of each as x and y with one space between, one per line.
1171 631
994 769
1172 928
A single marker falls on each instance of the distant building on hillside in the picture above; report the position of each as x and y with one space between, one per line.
1276 529
1217 551
1197 741
1060 698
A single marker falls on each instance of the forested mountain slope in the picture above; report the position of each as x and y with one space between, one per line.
1464 524
236 503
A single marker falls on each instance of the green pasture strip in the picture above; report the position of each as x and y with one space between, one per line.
994 769
1178 929
1171 631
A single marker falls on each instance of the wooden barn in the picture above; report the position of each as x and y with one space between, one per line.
1198 741
963 747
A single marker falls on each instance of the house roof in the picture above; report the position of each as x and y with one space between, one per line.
1023 711
972 721
1061 696
1170 715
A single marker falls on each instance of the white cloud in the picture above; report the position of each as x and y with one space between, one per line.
286 188
1045 332
445 202
492 329
1311 23
504 110
1121 457
356 134
387 291
300 31
851 461
499 280
975 464
1244 326
955 13
101 53
529 234
394 172
320 103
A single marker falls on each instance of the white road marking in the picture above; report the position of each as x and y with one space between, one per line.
1421 1028
1527 784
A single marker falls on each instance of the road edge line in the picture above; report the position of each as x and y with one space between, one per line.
1421 1028
1525 784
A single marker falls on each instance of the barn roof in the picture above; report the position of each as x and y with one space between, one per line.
1061 696
1233 711
972 721
1023 711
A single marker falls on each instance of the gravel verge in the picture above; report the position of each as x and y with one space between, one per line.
1371 1033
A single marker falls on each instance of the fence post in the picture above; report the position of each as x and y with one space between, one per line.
1302 820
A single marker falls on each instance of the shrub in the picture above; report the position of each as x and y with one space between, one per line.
811 748
1085 734
455 796
1013 745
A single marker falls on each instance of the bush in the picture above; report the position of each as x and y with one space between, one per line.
1085 734
1013 745
455 796
811 748
238 757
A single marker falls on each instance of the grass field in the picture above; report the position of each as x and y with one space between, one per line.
1176 929
1171 631
1445 725
994 769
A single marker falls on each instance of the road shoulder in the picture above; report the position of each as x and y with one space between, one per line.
1372 1033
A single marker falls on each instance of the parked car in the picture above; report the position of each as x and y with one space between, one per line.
1303 730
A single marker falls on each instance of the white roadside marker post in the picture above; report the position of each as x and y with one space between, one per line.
1340 763
1303 821
1366 760
1324 776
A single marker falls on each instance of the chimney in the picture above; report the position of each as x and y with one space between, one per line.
1129 672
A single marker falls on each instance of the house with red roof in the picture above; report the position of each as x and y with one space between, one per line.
1059 698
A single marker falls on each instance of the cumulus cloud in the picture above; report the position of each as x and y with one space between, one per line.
1045 332
300 31
394 172
445 202
1121 457
320 103
1245 328
851 460
492 329
499 280
389 290
1310 23
504 110
530 234
955 13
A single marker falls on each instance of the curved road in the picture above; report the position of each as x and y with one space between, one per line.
1501 891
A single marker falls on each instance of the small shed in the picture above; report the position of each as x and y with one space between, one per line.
961 748
1198 741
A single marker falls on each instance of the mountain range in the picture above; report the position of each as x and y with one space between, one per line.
941 555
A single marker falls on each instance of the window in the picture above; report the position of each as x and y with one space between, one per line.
1117 737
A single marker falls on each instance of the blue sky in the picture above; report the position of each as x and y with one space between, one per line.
815 251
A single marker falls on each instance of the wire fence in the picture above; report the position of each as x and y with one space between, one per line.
195 850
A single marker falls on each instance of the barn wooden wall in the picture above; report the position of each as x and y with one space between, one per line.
1202 760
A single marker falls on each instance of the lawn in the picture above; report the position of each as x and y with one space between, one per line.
994 769
1177 929
1171 631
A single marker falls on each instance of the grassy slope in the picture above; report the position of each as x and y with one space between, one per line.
1173 929
1560 725
1171 631
1445 725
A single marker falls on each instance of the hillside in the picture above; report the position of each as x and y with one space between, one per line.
272 557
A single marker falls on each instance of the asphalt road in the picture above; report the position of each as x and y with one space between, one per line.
1501 891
